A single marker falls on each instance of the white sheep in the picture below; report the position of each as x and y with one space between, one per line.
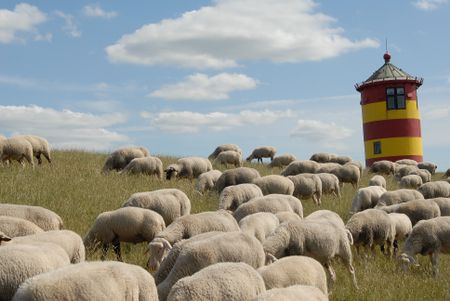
186 227
233 196
322 157
189 167
377 180
227 280
406 162
145 165
348 173
404 170
435 189
260 224
90 281
262 152
222 148
383 167
300 166
270 203
444 205
416 210
327 167
293 293
236 176
293 270
428 237
40 147
410 182
307 186
341 160
14 226
403 227
275 184
287 216
423 173
399 196
120 158
330 184
282 160
228 157
18 149
44 218
207 180
127 224
431 167
366 197
170 203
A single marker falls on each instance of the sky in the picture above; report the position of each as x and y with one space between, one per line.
181 77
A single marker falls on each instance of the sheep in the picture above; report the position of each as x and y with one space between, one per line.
275 184
19 262
431 167
383 167
428 237
222 148
372 227
377 180
270 203
366 197
185 227
399 196
321 235
228 157
207 180
90 281
127 224
189 167
282 160
347 174
120 158
422 173
145 165
341 160
227 280
293 293
14 226
170 203
42 217
223 247
435 189
327 167
404 170
307 186
402 225
18 149
262 152
357 164
406 162
411 182
447 173
236 176
330 184
40 147
300 166
294 270
444 205
322 157
287 216
260 224
416 210
233 196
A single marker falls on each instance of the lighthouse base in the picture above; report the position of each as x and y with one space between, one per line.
369 162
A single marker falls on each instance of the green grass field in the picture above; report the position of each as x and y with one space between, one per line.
74 188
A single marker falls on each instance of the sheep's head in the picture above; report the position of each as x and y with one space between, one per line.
407 260
171 171
158 250
270 258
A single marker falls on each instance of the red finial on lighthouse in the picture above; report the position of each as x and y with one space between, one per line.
387 57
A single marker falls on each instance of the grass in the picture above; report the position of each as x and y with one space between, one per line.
74 187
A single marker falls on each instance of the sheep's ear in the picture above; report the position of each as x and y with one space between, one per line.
166 245
4 237
270 258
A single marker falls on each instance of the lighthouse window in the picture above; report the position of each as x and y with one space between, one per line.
395 98
377 148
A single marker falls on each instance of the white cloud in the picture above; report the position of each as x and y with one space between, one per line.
48 37
432 113
229 31
192 122
63 129
24 17
70 27
201 87
429 4
95 11
327 134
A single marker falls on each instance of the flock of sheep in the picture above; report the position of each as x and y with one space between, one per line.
256 246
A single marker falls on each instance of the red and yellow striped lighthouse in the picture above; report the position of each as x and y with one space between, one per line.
390 114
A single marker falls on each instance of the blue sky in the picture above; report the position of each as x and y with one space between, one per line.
181 77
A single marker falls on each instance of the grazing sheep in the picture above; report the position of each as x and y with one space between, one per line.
366 197
228 157
189 167
447 173
127 224
372 227
18 149
347 174
273 203
423 173
383 167
90 281
436 189
40 147
42 217
145 165
207 180
327 167
307 186
222 148
262 152
275 184
406 162
444 205
341 160
402 225
404 170
416 210
185 227
120 158
227 280
429 237
223 247
287 216
18 262
293 293
292 270
322 157
170 203
357 164
330 184
300 166
236 176
431 167
377 180
411 182
260 224
398 196
282 160
14 226
232 197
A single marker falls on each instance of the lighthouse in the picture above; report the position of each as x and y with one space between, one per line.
390 115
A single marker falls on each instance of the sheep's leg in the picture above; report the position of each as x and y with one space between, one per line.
38 157
331 274
434 257
395 244
116 248
105 248
351 270
47 156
